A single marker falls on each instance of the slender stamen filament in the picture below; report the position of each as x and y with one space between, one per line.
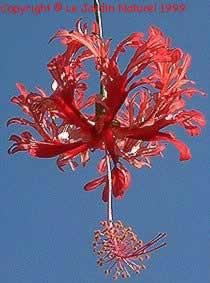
152 242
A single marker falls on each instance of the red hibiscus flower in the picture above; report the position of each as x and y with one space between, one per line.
128 121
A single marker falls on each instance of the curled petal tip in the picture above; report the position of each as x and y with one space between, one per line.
51 39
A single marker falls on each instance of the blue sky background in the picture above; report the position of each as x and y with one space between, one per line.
46 218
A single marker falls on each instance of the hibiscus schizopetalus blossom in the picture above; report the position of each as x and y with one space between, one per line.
129 121
132 120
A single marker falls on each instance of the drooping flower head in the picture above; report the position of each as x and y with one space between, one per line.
128 122
120 251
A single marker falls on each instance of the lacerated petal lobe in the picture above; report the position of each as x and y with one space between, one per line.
22 89
21 143
92 185
84 157
64 158
133 40
176 55
96 45
20 121
192 121
102 166
155 151
15 138
62 34
44 149
16 148
199 118
48 150
184 150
